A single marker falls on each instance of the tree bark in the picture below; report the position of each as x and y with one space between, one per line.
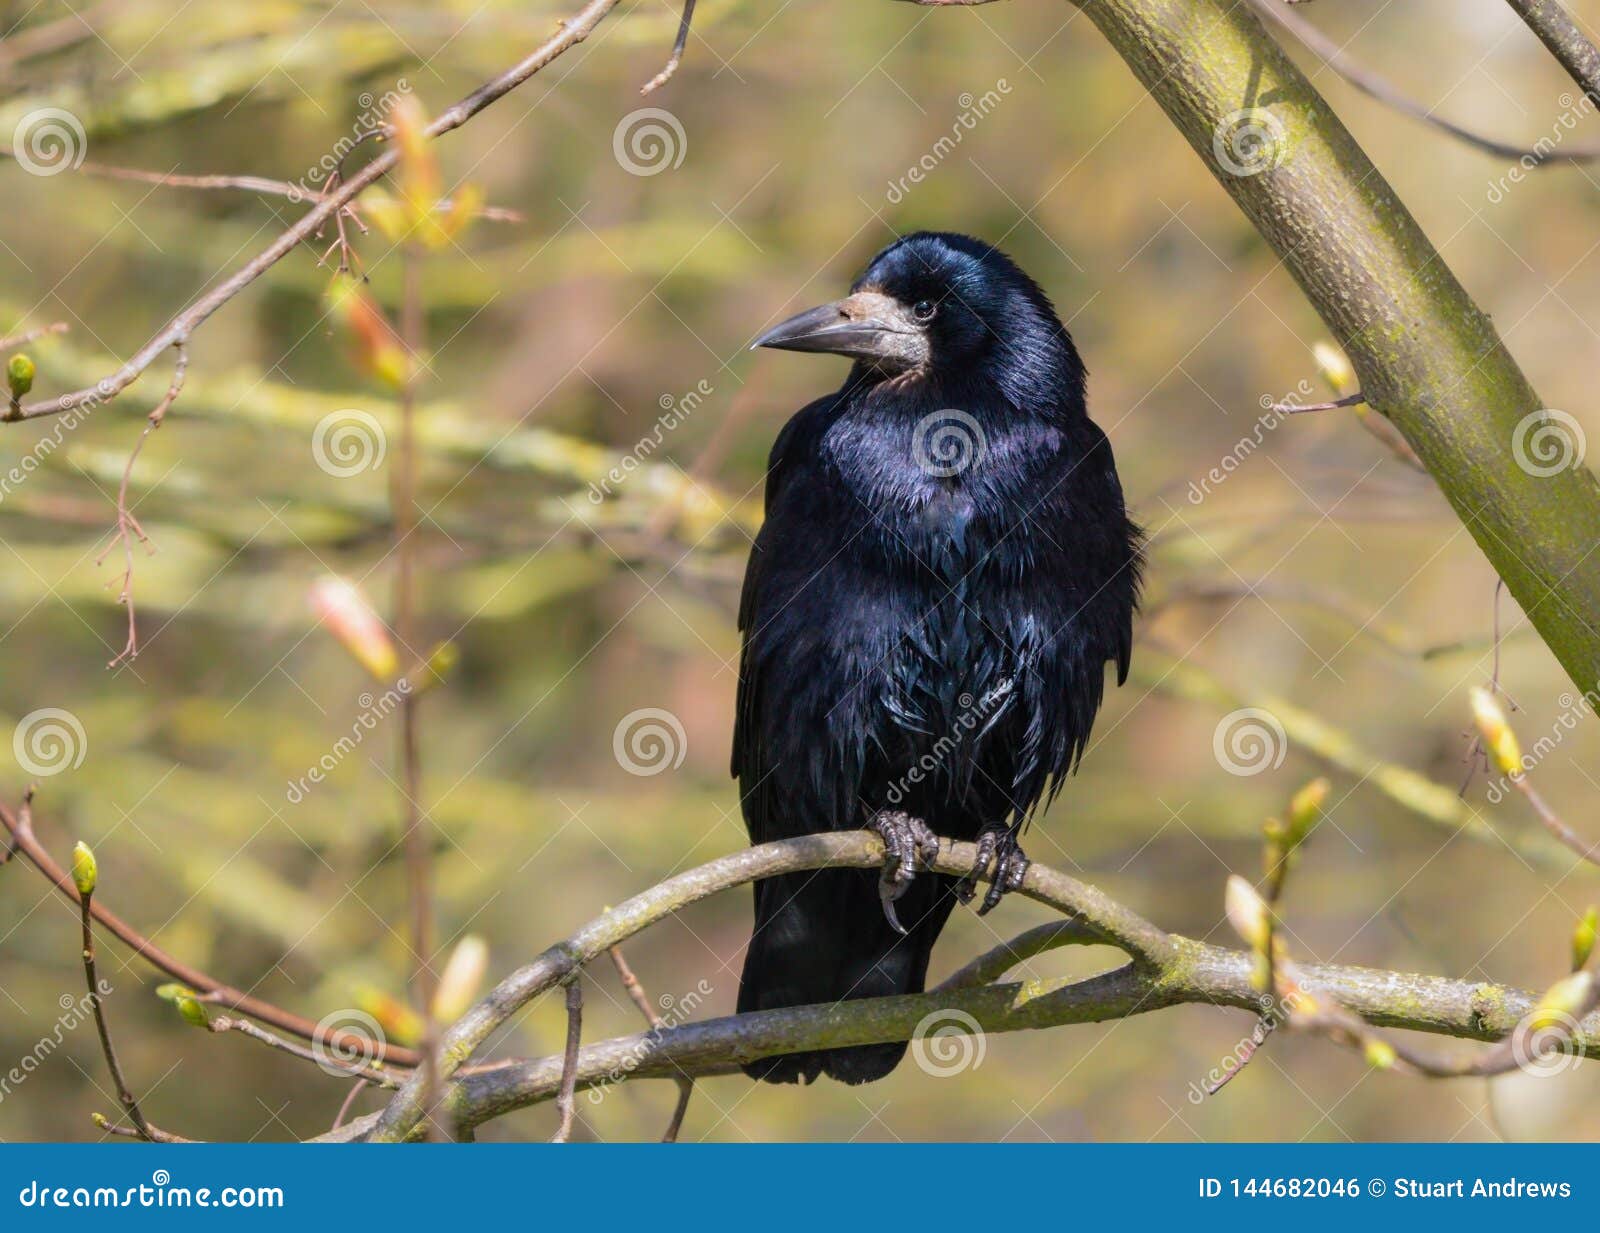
1428 358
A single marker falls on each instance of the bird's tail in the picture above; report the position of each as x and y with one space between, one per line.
821 937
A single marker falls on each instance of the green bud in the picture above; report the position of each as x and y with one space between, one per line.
193 1012
85 873
1305 808
1572 997
1583 938
172 991
19 374
1380 1054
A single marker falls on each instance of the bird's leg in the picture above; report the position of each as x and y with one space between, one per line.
904 839
998 844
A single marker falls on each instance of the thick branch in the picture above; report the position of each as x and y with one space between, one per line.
1194 973
1568 44
1093 910
1427 357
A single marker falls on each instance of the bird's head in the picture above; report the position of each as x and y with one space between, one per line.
936 302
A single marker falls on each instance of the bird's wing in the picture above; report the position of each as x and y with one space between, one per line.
794 456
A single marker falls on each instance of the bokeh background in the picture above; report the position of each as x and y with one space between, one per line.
1324 580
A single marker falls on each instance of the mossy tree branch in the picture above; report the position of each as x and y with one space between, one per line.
1428 358
1163 970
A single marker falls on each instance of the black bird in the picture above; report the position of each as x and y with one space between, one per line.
945 571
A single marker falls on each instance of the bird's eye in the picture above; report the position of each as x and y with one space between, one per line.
924 310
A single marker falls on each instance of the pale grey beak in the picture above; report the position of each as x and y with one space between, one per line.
866 325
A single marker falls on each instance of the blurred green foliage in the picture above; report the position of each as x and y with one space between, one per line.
558 343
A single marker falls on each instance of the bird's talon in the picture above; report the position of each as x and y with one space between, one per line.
1000 847
904 840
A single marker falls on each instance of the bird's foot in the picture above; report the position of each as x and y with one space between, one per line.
904 840
998 845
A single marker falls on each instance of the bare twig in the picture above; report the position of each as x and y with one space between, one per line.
356 1089
673 60
23 337
375 1075
127 527
124 1093
1295 408
1380 88
641 999
23 839
569 1065
571 32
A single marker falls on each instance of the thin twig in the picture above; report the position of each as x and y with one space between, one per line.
23 337
565 1103
673 60
365 1073
124 1093
1380 88
25 841
641 999
356 1089
1295 408
128 528
571 32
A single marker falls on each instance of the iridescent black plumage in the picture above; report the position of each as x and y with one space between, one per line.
925 629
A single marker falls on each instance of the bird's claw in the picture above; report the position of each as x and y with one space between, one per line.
997 845
904 840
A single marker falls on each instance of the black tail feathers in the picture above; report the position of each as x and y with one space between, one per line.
821 937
